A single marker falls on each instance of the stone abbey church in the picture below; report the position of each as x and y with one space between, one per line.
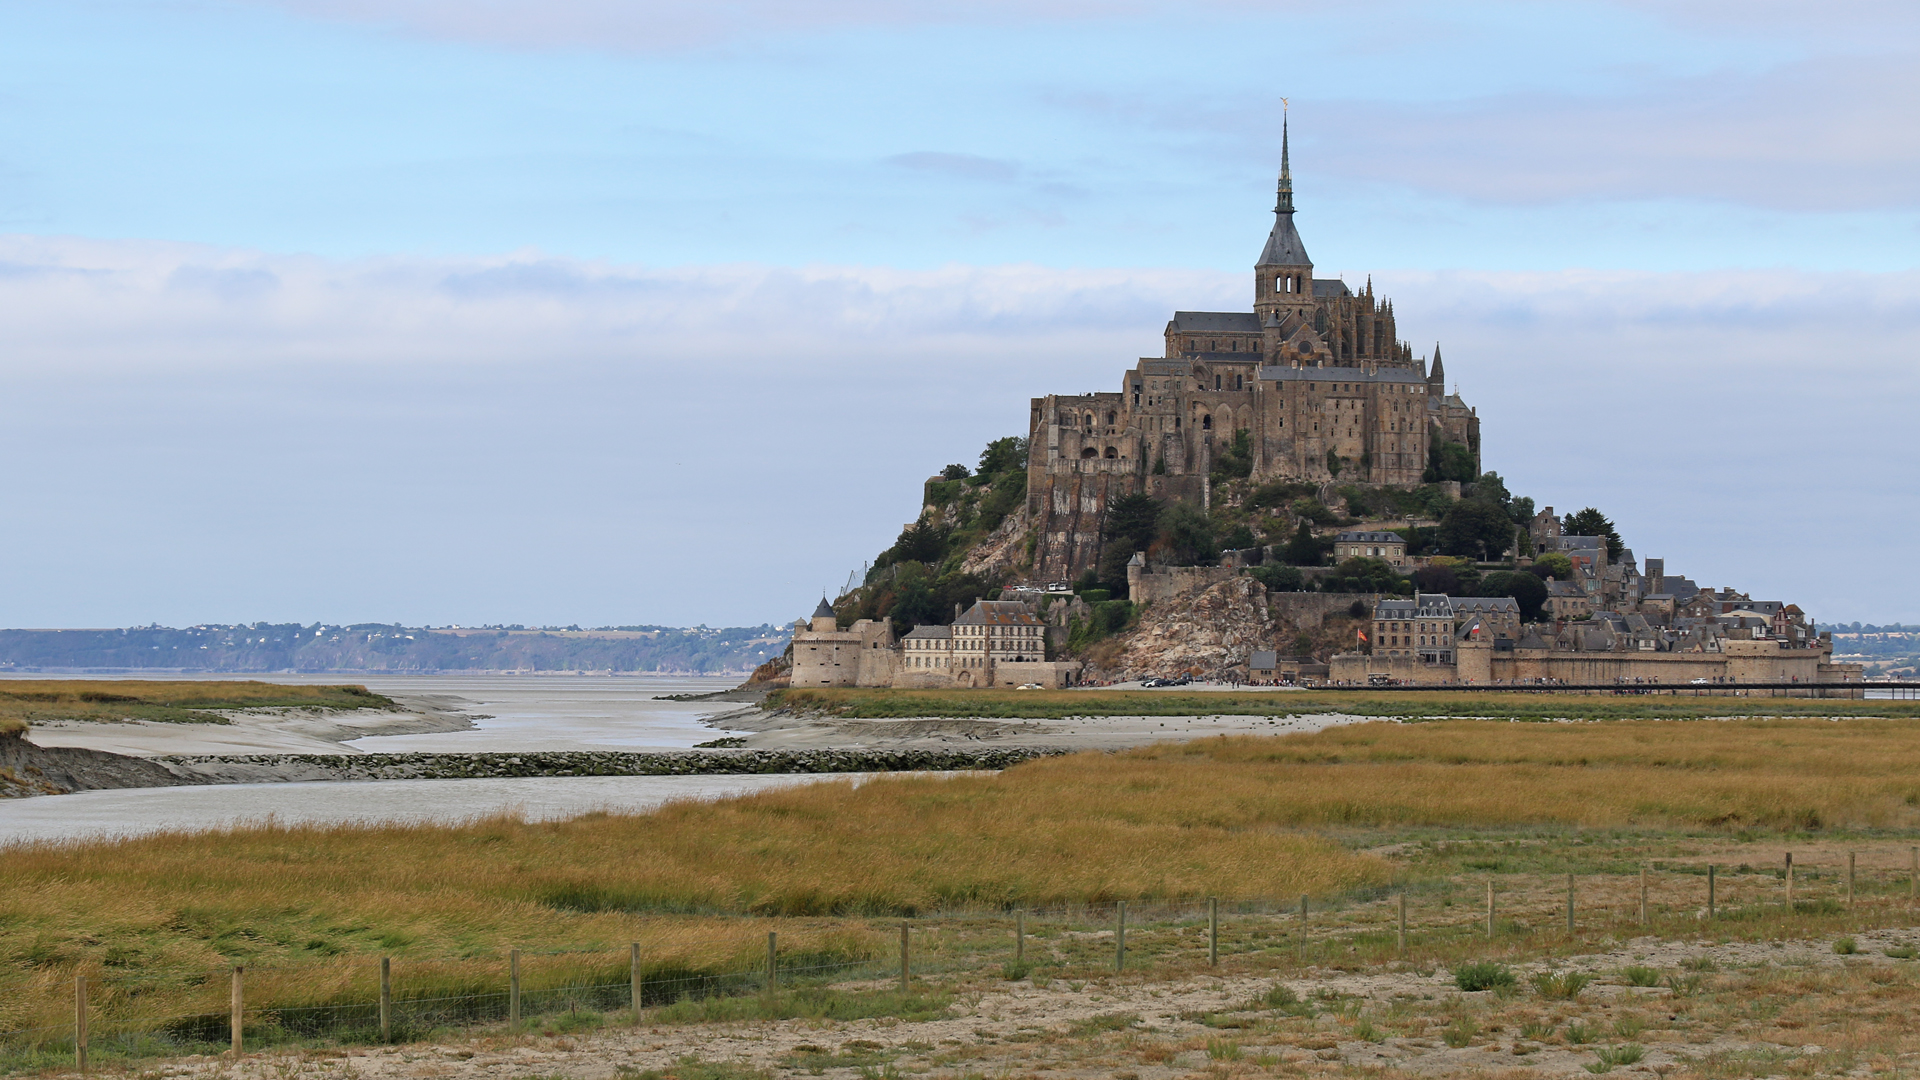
1315 374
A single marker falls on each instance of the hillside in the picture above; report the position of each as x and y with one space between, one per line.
973 537
380 647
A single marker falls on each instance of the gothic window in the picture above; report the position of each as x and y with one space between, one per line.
1089 452
1206 423
1112 453
1110 417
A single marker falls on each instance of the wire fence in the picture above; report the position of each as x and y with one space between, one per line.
160 1011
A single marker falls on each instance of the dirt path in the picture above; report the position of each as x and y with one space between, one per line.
1728 1009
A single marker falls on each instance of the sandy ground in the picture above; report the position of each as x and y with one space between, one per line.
1136 1028
800 732
259 731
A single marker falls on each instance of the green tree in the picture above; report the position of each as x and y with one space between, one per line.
1476 530
914 603
1334 461
1009 491
1237 538
1447 460
1554 563
921 542
1306 549
1366 574
1236 461
1114 557
1188 536
1526 589
1004 455
1279 578
954 472
1134 518
1591 522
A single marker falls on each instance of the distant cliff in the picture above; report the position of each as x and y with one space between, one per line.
369 647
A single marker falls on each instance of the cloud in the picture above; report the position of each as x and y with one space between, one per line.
529 438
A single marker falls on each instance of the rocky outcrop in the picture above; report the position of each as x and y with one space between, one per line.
1208 634
1001 551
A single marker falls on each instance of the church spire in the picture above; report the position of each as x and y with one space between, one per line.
1437 374
1283 243
1284 204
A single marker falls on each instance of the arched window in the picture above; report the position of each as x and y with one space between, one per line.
1206 423
1089 420
1111 415
1089 452
1112 452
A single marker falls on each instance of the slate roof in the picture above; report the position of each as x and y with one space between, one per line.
929 633
1264 659
1284 247
1215 322
1486 604
1330 287
998 613
1370 538
824 611
1283 373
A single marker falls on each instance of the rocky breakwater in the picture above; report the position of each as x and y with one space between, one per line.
280 768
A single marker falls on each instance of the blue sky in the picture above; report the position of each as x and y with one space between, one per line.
607 312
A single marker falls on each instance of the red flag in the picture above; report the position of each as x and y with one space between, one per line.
1363 635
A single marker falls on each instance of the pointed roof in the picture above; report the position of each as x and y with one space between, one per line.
1437 374
825 610
1284 247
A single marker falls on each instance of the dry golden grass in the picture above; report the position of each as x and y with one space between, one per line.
1772 774
24 702
1229 817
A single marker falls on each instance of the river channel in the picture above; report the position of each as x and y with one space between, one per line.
512 713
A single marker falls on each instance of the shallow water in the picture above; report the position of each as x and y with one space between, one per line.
521 712
138 811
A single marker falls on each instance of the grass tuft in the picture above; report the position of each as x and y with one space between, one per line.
1482 975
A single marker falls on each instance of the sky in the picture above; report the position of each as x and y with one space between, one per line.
489 311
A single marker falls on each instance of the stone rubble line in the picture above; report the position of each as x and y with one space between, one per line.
430 766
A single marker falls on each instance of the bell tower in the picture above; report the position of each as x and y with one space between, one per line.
1283 278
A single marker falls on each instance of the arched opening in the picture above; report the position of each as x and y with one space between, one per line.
1111 417
1089 452
1089 421
1206 423
1112 452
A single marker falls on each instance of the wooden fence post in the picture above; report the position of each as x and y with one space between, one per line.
513 987
1489 909
1020 936
1709 891
1850 880
633 978
238 1009
773 962
80 1022
1569 905
1403 924
1213 930
386 999
906 964
1643 896
1913 874
1789 882
1303 928
1120 939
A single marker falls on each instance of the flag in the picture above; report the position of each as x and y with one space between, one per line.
1363 635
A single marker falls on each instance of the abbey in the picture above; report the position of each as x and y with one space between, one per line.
1315 375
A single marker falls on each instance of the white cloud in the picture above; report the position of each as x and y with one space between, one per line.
218 434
